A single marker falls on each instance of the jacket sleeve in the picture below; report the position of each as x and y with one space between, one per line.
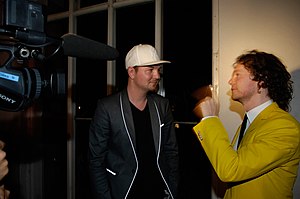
171 149
272 143
98 146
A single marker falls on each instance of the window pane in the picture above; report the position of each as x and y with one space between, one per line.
188 44
91 81
56 6
85 3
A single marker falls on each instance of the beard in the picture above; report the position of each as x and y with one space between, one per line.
154 86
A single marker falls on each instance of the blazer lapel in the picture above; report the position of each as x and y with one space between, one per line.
257 122
154 122
125 105
261 116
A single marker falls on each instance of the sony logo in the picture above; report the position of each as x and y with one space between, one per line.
5 98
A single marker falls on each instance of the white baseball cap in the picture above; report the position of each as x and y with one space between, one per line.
143 55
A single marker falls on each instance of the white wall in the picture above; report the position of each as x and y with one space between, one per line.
269 25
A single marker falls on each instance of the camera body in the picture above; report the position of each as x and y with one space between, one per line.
21 43
22 14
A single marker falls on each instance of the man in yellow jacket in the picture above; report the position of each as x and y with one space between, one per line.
265 163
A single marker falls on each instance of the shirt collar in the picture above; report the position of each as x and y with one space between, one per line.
252 114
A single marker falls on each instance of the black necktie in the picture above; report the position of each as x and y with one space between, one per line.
244 124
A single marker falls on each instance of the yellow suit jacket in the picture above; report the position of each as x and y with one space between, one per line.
266 163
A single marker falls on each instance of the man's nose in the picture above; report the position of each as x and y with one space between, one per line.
156 74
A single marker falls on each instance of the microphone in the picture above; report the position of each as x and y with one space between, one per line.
78 46
73 45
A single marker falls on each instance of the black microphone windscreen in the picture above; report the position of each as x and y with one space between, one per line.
78 46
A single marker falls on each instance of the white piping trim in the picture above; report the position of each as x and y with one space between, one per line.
123 117
161 125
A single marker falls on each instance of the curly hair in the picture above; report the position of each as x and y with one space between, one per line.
270 73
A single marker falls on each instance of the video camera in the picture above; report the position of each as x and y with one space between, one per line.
22 39
22 42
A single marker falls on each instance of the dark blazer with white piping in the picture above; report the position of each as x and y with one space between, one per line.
113 163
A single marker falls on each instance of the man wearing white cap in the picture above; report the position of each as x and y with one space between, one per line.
133 150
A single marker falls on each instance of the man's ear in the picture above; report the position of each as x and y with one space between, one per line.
131 72
261 86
